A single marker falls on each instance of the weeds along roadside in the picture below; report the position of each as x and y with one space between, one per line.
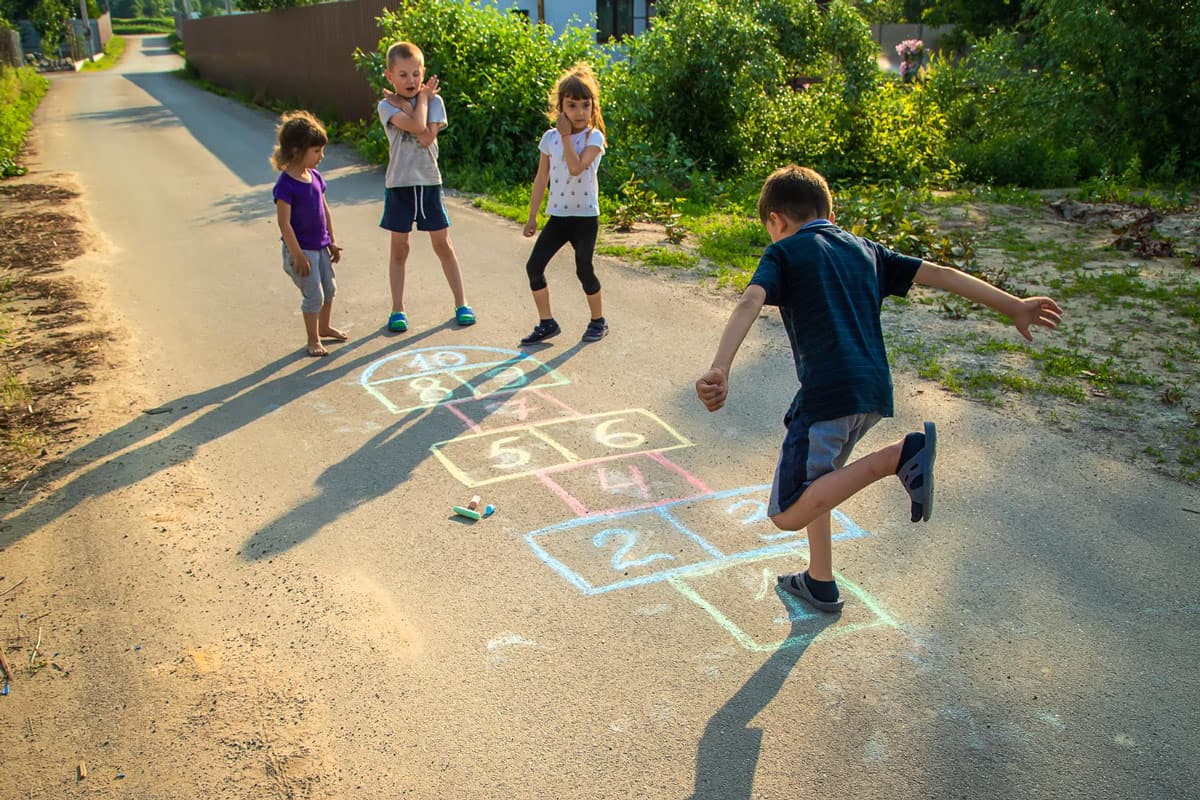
20 92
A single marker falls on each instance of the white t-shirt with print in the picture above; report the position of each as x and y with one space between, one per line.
572 195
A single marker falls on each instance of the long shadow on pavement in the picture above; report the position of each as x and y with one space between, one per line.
384 462
140 449
727 757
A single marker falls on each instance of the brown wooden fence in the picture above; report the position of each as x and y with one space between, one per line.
303 54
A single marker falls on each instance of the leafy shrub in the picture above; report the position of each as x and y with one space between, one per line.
713 86
1086 88
695 74
496 72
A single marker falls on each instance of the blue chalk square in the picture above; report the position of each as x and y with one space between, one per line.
618 551
735 522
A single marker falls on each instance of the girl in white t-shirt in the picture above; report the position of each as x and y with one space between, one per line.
569 174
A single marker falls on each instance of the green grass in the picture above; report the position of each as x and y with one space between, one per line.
112 53
651 256
20 92
13 393
732 244
140 25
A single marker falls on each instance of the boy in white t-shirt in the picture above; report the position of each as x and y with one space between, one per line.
571 152
412 118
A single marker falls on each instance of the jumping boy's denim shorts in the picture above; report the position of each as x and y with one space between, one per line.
404 205
812 449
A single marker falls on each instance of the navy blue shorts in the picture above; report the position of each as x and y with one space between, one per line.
404 205
812 449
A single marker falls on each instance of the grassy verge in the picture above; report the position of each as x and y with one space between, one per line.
143 25
20 92
112 53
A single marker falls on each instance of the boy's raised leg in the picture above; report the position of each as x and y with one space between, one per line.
832 488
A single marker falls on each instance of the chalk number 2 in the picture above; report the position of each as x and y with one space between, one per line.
628 540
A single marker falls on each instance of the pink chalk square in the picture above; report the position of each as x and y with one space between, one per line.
521 407
625 483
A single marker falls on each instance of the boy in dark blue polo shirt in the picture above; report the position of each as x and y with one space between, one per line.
829 286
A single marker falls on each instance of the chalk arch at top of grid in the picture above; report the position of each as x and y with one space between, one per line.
424 377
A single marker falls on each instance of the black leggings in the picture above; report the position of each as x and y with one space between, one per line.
581 233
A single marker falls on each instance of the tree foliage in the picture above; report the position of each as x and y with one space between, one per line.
1082 88
974 17
707 73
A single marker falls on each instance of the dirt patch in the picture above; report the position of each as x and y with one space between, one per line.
48 354
1122 374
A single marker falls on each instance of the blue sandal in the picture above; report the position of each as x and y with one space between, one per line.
917 474
398 322
464 316
794 585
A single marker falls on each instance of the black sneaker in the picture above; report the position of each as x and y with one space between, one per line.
597 329
543 330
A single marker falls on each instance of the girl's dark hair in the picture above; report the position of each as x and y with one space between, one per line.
578 82
798 193
297 131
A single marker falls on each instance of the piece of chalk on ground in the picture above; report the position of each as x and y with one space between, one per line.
467 512
489 510
474 503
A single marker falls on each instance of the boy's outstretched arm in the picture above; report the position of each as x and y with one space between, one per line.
713 386
1024 312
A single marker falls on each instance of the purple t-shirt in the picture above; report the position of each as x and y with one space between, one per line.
308 208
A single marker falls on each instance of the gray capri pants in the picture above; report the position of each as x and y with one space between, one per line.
317 287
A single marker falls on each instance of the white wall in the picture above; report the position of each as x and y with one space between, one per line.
561 13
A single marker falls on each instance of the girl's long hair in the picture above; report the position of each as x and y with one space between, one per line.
580 83
297 131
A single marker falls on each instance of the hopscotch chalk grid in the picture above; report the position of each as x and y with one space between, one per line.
639 517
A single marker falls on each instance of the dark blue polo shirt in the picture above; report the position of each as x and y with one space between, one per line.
829 286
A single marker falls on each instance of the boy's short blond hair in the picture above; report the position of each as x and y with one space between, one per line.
798 193
402 50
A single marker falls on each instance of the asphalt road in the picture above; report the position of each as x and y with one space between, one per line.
262 591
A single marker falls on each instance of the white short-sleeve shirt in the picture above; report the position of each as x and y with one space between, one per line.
572 195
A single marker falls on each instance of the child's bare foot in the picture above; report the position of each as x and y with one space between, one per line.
335 334
317 349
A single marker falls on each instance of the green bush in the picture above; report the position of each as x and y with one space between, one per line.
140 25
496 72
20 92
722 88
1084 89
694 76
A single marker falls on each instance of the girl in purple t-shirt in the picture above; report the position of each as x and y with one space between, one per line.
305 224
